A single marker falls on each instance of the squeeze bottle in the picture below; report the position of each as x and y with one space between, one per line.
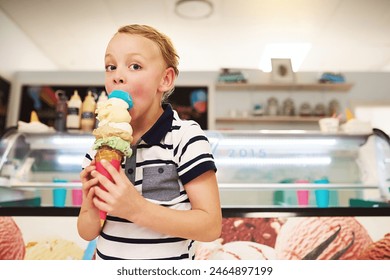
61 111
74 114
88 113
102 98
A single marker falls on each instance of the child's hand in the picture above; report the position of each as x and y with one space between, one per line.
121 198
88 185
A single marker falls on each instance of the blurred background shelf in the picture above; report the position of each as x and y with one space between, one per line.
341 87
259 119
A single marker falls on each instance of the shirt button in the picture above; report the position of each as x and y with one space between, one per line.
161 170
130 170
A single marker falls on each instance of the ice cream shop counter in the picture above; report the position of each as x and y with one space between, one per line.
255 168
284 195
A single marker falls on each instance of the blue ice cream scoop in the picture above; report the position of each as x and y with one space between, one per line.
125 96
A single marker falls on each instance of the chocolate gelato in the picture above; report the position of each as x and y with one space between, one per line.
259 230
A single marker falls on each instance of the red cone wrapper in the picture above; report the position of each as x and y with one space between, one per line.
112 156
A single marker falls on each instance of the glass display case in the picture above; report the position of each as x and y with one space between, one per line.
255 168
277 168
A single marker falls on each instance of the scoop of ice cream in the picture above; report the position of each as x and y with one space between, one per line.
379 250
114 129
113 110
237 250
123 95
11 240
260 230
115 143
53 249
321 238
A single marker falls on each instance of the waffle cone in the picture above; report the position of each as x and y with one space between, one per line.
108 154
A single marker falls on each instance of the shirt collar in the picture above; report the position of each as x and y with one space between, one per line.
162 126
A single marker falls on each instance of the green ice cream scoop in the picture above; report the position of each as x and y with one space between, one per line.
115 143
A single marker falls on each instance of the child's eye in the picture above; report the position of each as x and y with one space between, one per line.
110 68
135 67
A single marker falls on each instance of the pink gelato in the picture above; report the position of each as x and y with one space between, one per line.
321 238
379 250
11 240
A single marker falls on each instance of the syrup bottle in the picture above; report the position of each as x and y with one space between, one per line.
88 113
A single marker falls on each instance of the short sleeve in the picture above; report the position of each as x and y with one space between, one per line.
193 153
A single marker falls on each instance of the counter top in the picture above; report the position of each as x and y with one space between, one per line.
227 212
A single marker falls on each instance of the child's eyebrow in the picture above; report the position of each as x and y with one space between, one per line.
107 55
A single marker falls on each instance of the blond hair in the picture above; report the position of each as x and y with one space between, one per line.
164 43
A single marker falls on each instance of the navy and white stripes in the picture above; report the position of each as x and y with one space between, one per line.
172 153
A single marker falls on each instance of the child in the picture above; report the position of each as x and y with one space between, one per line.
166 195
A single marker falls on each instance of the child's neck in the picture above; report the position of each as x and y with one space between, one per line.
142 124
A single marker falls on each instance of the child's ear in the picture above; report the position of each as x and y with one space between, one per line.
168 80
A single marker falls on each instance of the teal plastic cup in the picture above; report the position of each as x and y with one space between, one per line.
322 198
59 197
322 195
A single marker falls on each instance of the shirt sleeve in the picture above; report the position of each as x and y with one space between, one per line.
193 153
89 156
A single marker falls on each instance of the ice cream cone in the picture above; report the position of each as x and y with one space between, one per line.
108 154
112 156
113 134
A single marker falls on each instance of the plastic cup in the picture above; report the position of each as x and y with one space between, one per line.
322 198
303 197
322 195
59 197
77 197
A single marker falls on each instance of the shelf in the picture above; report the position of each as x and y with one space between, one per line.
341 87
39 185
257 119
263 186
222 186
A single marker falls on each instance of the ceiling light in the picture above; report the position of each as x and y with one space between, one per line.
295 51
194 9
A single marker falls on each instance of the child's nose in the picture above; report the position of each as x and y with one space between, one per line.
119 80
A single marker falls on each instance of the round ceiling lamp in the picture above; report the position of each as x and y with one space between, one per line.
194 9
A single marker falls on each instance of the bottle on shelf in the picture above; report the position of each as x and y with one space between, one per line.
88 113
73 116
61 111
102 98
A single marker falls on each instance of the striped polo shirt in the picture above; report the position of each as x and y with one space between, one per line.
168 156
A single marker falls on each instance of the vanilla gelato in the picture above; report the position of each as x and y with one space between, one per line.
237 250
53 249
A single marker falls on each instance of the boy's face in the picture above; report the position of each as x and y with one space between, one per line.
135 64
